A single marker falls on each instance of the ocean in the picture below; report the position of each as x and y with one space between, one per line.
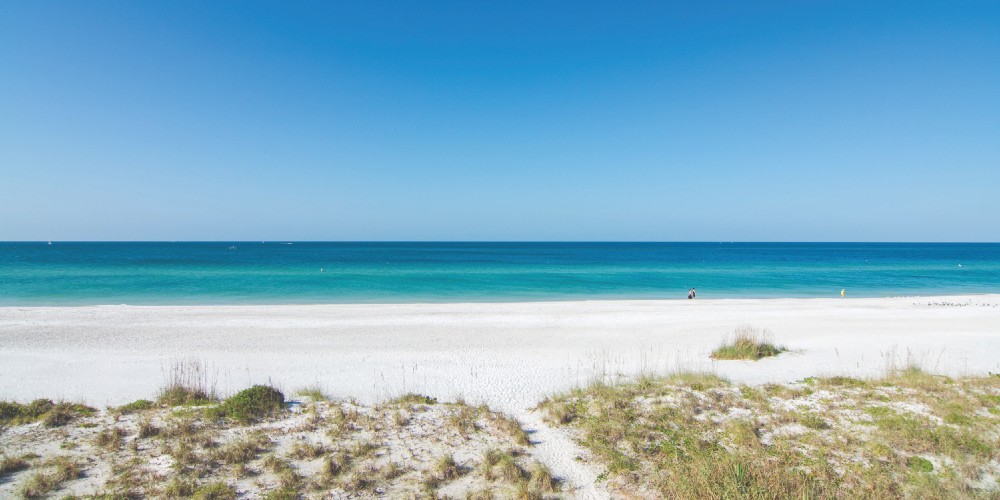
78 273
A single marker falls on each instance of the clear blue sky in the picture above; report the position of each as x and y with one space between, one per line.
787 121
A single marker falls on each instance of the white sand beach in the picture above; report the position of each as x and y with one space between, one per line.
507 355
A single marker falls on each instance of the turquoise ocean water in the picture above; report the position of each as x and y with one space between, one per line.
37 273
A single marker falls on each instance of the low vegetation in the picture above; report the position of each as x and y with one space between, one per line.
413 446
910 434
747 343
136 406
187 385
314 393
11 464
57 471
44 410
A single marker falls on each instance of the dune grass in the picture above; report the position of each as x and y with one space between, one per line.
747 343
57 471
44 410
823 438
187 385
413 399
315 393
204 448
10 464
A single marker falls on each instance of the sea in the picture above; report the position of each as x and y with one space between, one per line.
302 272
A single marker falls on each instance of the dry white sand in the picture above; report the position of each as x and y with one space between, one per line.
507 355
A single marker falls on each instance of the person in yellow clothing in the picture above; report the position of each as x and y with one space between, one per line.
841 293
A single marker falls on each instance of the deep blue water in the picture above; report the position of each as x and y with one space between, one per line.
36 273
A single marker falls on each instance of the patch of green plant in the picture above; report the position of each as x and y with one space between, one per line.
879 411
813 421
843 382
957 419
250 405
52 414
283 493
414 399
135 406
698 381
919 464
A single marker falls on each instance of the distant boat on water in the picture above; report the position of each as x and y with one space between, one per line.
50 243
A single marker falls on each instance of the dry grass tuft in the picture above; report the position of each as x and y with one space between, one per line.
314 393
146 429
307 451
9 465
110 439
60 470
446 469
187 384
748 343
243 449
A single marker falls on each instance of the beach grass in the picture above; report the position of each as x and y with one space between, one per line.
251 440
187 385
822 438
747 343
10 464
45 410
314 393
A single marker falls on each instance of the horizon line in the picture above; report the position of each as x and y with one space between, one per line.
723 242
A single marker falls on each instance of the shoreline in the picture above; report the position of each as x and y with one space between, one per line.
962 295
506 354
494 301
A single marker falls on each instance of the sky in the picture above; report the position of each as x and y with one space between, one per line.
502 120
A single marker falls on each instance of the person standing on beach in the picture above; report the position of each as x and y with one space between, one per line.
691 293
842 293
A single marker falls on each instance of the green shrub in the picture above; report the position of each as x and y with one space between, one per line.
250 405
16 413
